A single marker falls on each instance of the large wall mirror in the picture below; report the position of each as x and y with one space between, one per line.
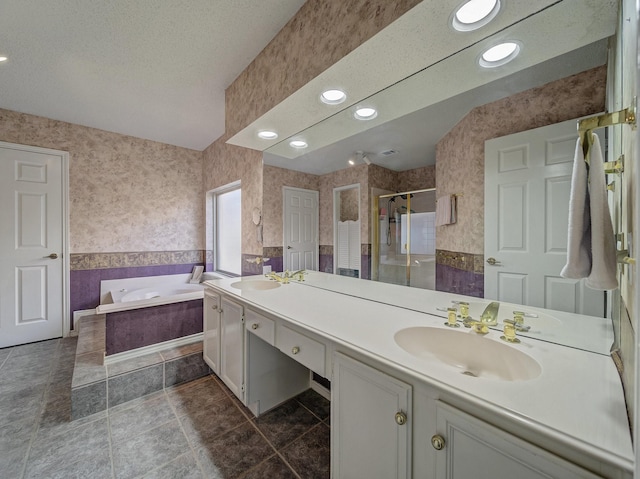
441 117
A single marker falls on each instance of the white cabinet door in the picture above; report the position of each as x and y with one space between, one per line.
211 323
474 449
366 439
232 346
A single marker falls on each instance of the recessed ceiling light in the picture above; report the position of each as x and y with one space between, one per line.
3 58
298 144
475 14
333 97
267 135
365 113
499 55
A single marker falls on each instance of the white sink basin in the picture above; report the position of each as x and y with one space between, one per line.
255 285
469 353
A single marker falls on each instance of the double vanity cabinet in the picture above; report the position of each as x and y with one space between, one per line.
396 414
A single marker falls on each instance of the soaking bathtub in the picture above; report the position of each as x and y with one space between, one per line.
141 312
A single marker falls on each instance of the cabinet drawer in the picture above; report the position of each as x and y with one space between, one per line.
261 326
302 348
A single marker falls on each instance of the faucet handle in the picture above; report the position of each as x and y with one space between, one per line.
451 318
479 327
509 331
518 321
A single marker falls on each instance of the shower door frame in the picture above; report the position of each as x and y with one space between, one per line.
375 256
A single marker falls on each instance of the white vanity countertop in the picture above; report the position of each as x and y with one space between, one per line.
583 332
578 398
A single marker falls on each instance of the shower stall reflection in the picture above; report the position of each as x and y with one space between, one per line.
405 239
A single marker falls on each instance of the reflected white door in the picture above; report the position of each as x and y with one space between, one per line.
300 229
31 244
527 186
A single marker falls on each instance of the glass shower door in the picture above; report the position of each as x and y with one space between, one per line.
406 240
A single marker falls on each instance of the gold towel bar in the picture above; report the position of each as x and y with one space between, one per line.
614 167
587 125
457 195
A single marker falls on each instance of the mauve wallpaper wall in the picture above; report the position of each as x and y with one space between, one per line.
125 193
460 153
320 34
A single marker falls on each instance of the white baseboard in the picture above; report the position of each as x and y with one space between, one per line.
153 348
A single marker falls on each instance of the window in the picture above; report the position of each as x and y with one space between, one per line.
227 230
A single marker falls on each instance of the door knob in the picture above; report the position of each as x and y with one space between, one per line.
52 256
288 247
493 261
437 442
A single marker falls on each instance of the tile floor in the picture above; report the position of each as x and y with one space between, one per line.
195 430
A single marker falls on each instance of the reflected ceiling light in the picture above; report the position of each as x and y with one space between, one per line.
267 135
333 97
365 113
298 144
3 58
500 54
475 14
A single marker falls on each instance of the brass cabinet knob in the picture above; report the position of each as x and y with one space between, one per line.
493 261
214 307
254 326
401 418
295 350
437 442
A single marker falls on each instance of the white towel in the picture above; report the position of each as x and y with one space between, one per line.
579 237
445 210
591 247
603 274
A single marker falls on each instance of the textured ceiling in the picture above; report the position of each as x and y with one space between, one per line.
154 69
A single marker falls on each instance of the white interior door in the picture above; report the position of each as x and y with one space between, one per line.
300 229
32 269
527 186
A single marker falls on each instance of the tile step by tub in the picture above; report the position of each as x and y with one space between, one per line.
96 387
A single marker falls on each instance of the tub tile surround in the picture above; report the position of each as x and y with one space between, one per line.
89 269
132 259
193 430
97 387
460 273
136 328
